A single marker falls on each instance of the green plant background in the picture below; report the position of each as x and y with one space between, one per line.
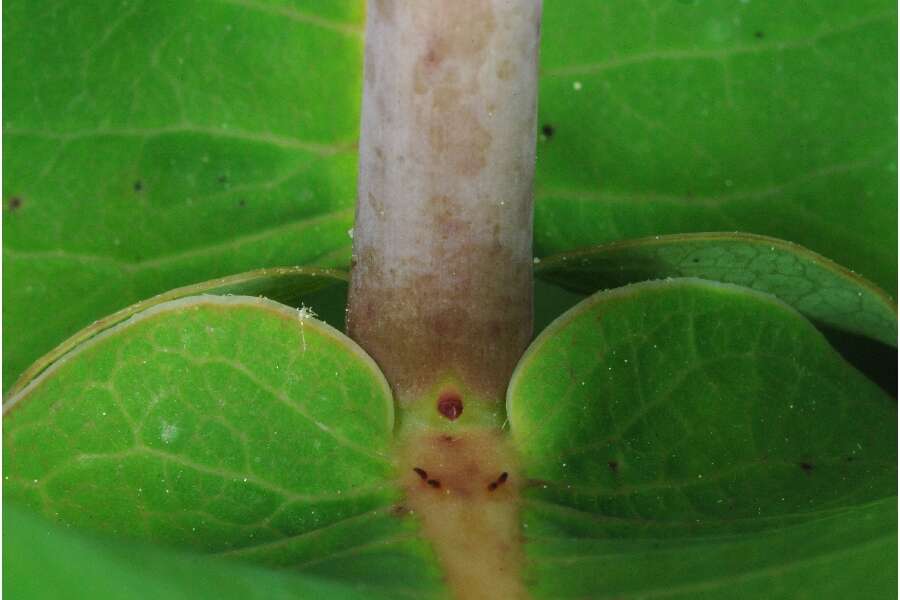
153 145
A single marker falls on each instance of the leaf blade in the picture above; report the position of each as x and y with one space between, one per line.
823 291
159 165
216 424
323 291
85 567
671 414
711 117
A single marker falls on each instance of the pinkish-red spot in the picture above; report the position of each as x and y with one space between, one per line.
450 405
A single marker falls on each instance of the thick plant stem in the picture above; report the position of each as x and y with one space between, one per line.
441 288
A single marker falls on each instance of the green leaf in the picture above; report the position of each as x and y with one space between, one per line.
550 301
696 439
686 116
139 160
222 424
824 292
97 569
763 118
845 554
151 146
322 292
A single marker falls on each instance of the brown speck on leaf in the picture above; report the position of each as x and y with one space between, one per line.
421 472
138 185
400 510
222 178
613 466
759 35
548 131
14 203
807 467
434 483
242 203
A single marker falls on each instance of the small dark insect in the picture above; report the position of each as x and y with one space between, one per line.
613 466
434 483
421 472
548 131
138 185
807 467
15 202
500 481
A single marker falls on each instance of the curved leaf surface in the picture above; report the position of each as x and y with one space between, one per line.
823 291
322 292
695 439
98 569
848 554
223 424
